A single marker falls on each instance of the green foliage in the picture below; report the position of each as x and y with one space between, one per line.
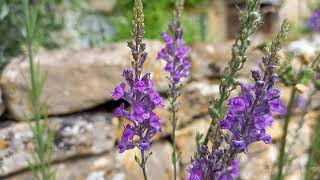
158 14
13 30
306 75
42 135
289 77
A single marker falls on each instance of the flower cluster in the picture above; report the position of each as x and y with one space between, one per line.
175 53
251 113
314 21
143 98
211 165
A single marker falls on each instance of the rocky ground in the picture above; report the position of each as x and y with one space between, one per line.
79 104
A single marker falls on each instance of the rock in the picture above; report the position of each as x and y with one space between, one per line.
158 165
75 135
262 157
112 166
259 161
202 56
194 102
186 142
105 166
307 46
76 79
3 144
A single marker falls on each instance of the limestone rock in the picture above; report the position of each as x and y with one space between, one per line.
186 142
103 166
112 166
76 79
194 101
158 165
75 135
202 56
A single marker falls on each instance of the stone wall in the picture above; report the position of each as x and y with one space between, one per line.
77 95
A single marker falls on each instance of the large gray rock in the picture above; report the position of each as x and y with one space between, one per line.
113 166
158 165
76 79
104 166
76 135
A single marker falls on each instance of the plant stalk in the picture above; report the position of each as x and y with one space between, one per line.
282 155
143 165
174 124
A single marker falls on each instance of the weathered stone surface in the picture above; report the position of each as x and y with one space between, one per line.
262 157
307 46
76 135
194 102
101 167
112 166
186 142
259 161
158 165
202 56
76 79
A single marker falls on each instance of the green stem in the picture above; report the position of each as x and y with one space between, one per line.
281 162
143 165
174 124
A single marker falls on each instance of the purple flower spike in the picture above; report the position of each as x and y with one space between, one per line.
138 91
209 166
175 54
314 21
251 113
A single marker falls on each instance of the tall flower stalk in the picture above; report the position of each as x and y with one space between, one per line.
42 135
175 54
250 21
141 95
247 118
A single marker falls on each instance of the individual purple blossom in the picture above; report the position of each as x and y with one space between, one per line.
314 21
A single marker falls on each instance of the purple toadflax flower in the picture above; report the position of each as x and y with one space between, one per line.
251 113
211 166
175 54
144 99
247 118
314 20
140 93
